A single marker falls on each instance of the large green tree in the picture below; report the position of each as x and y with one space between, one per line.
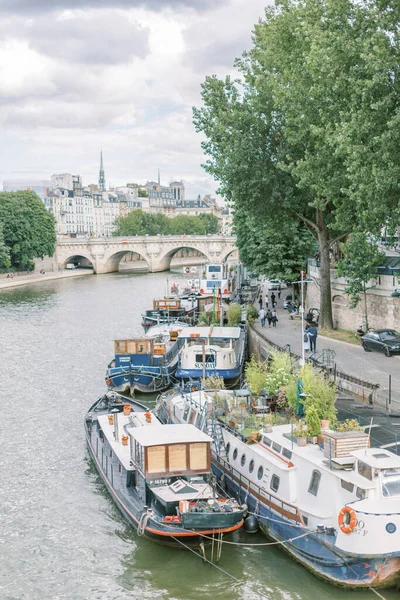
28 228
291 138
361 257
138 222
5 262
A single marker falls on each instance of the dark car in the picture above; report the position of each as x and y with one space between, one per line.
382 340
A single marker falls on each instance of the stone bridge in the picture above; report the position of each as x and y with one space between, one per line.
105 254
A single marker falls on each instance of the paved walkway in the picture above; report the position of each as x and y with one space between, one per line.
18 280
351 359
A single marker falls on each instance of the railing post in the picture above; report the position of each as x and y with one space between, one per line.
390 393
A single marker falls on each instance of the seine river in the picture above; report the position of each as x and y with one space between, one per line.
61 535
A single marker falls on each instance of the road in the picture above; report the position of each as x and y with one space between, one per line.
351 359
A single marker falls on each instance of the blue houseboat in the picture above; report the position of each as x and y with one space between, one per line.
145 364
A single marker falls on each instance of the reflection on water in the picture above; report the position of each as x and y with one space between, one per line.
61 535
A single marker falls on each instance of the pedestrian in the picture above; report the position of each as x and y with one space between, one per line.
273 300
260 302
279 293
266 301
313 333
269 317
274 318
262 317
306 341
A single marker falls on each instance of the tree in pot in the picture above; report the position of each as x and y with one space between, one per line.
319 393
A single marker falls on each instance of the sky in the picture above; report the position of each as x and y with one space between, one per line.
78 76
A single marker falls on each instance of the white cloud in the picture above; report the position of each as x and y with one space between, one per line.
121 80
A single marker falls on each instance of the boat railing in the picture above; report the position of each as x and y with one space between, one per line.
280 506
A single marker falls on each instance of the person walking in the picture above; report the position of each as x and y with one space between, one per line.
313 333
273 300
262 317
269 317
266 301
306 342
279 293
260 302
274 318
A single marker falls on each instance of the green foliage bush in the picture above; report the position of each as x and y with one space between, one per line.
348 425
252 313
138 222
320 393
234 314
256 374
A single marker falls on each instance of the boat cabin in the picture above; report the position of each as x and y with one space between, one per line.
209 347
174 461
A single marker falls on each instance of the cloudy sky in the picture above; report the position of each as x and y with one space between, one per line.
122 75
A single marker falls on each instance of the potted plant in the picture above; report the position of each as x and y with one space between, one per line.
321 394
301 431
314 423
268 422
252 313
256 374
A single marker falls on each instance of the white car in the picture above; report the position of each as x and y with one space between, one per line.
274 284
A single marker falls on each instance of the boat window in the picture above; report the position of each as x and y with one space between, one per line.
243 460
227 447
276 447
365 470
314 483
156 459
286 453
260 472
199 456
186 412
361 494
177 460
305 519
235 453
275 483
192 416
346 485
251 466
267 441
391 482
198 420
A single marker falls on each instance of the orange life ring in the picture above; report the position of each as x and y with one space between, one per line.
347 524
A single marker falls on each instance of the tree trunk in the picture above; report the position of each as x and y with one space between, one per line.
325 320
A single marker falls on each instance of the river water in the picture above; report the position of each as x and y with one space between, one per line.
61 536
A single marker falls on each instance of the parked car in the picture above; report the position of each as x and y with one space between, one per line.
274 284
287 301
382 340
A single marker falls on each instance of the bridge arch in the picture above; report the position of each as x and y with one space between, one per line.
79 261
231 254
165 260
113 261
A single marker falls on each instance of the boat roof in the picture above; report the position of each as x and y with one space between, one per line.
167 434
214 332
378 458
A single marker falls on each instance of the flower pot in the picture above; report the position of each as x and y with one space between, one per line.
325 423
320 439
302 441
254 435
268 428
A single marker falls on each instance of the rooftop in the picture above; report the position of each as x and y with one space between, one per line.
213 332
167 434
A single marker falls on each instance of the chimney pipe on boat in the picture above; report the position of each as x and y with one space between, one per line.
115 412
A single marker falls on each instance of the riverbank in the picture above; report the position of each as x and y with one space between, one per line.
19 280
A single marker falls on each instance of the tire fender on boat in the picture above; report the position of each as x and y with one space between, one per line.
347 523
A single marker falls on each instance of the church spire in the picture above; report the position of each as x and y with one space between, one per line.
102 178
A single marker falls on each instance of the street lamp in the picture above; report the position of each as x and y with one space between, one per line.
302 282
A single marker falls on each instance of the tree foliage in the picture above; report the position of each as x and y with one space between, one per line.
138 222
5 262
358 267
308 138
28 228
